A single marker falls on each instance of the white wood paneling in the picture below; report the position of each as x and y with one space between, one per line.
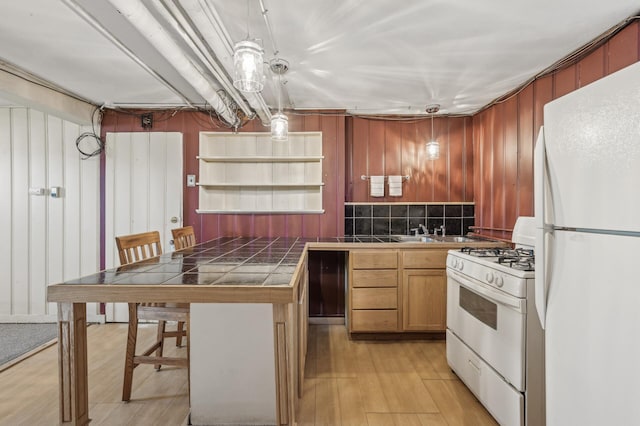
143 191
51 239
6 183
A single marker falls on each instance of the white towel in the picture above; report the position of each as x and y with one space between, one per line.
376 186
395 186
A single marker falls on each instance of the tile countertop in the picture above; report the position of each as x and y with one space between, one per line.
226 269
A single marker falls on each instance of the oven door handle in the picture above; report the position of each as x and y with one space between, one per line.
493 295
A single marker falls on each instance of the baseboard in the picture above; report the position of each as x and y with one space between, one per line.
326 320
92 318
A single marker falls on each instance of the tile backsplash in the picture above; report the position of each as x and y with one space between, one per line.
399 219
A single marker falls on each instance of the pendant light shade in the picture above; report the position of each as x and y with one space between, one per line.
433 150
248 66
279 121
279 127
433 147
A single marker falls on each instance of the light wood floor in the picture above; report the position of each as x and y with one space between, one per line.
347 383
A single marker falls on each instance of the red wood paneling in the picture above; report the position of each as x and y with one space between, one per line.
591 68
468 164
508 131
423 168
525 142
564 81
408 150
510 185
456 159
207 226
359 157
623 49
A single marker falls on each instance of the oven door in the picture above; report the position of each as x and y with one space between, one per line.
490 322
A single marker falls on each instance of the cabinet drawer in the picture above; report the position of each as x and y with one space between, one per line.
374 298
374 259
424 259
374 278
381 320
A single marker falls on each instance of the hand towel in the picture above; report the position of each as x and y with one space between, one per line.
395 186
376 186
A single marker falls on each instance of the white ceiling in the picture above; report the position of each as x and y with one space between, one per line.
365 56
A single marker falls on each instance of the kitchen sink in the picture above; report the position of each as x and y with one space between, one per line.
412 238
458 239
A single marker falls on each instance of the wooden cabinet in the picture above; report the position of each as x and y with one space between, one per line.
303 323
424 304
373 291
424 290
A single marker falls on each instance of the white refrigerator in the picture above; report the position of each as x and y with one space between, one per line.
587 208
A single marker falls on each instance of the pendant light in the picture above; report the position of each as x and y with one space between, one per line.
279 121
433 147
248 66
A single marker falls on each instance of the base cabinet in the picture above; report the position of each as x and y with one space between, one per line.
373 291
424 305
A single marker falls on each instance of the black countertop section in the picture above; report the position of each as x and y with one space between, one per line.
238 261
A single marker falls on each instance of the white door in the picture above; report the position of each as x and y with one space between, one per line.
143 192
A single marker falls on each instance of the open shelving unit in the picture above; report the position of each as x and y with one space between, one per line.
250 173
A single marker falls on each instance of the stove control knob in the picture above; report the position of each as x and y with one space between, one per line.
489 277
499 281
461 265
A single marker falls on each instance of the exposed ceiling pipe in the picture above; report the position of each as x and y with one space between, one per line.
182 25
149 27
206 19
282 88
79 10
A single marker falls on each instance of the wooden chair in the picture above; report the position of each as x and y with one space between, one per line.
183 237
134 248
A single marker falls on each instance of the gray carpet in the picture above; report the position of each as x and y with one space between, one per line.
18 339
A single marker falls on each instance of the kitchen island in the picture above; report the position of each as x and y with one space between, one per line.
248 321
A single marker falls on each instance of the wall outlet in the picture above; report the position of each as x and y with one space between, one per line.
191 180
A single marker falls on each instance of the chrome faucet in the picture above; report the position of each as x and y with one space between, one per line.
442 229
425 231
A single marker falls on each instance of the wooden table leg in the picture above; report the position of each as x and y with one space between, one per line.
72 364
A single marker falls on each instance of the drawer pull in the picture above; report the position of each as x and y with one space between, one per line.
475 367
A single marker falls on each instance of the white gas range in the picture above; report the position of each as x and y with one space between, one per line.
494 340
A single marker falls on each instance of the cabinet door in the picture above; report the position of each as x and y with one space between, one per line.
424 296
303 323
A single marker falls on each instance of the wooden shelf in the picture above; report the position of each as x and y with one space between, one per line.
261 159
245 173
202 211
260 185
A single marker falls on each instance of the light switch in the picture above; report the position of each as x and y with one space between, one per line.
36 191
191 180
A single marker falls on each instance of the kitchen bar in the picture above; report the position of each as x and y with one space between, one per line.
244 271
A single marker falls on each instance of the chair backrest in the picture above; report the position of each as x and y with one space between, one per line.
136 247
183 237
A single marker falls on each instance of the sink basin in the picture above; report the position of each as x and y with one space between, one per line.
458 239
412 238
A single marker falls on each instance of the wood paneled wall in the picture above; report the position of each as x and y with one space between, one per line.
329 224
504 134
387 147
45 240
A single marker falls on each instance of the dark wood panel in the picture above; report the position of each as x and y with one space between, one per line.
326 284
591 68
440 180
623 49
375 154
526 137
409 155
486 158
498 166
469 166
330 177
359 159
510 117
565 81
422 167
456 159
543 93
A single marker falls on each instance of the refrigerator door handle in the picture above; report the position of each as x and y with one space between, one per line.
539 183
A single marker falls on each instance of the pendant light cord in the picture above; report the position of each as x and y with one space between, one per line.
279 89
248 17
